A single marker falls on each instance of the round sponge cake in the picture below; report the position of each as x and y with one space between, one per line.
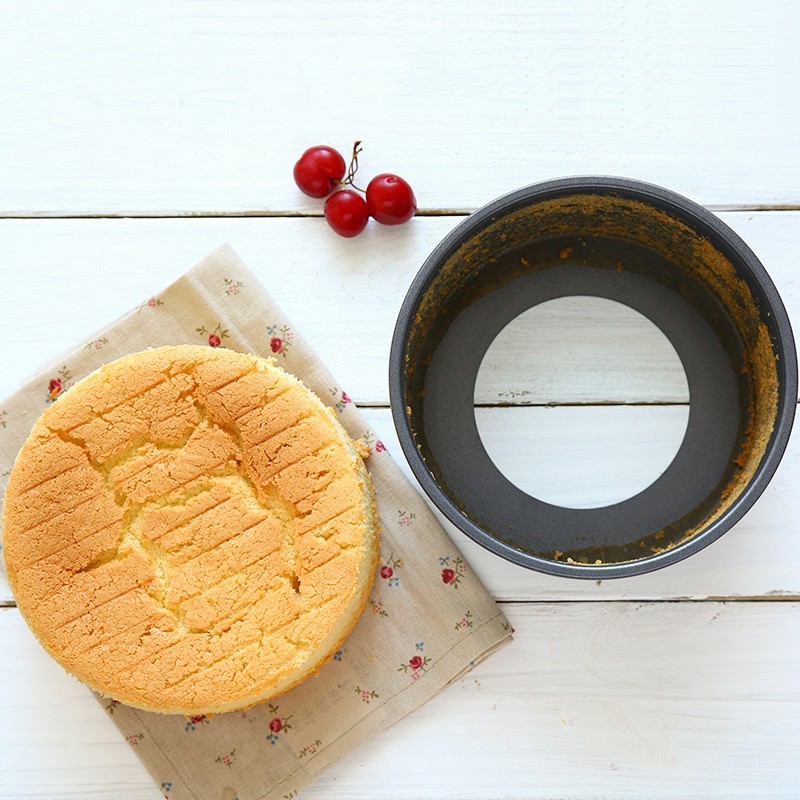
190 530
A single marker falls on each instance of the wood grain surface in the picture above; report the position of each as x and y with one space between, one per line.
64 279
197 107
136 138
612 700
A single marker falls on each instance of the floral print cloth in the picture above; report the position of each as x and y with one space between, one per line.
428 621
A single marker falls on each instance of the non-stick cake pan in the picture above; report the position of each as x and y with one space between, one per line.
663 256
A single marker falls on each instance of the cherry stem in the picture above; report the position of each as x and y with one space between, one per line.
353 168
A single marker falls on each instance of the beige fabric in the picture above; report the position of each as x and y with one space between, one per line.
428 620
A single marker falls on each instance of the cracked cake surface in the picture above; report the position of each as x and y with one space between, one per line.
190 530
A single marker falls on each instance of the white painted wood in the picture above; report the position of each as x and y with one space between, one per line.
562 347
60 280
583 456
193 106
757 558
591 700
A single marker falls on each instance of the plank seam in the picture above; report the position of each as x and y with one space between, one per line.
287 214
789 598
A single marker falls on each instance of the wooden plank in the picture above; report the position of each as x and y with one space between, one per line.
758 558
563 348
197 107
582 456
591 700
63 279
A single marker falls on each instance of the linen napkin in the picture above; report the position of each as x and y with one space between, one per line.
428 620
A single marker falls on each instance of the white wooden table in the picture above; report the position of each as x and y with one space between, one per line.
135 138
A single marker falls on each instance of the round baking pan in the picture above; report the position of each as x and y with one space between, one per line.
656 252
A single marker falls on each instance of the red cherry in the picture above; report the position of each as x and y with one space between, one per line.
346 212
390 199
318 171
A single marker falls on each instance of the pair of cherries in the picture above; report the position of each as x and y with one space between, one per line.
389 199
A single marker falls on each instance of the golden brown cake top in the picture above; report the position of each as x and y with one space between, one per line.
189 530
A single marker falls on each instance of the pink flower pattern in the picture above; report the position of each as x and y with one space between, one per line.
389 568
151 302
416 665
277 724
58 385
340 399
214 337
280 339
194 721
465 621
232 286
405 518
310 749
453 570
367 694
228 759
377 607
374 445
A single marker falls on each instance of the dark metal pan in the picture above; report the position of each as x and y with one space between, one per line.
656 252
